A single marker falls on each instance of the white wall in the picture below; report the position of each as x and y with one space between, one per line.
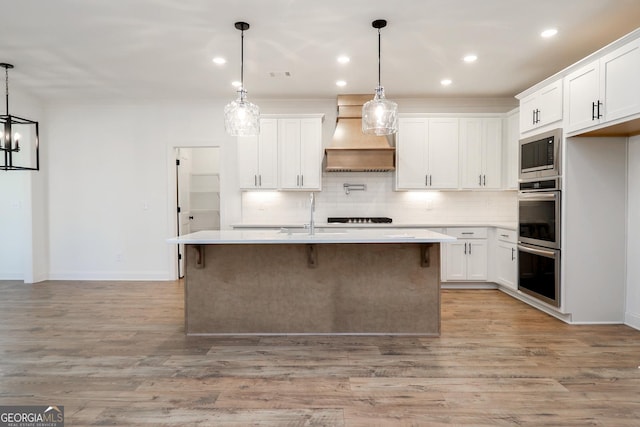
23 207
632 315
112 185
111 204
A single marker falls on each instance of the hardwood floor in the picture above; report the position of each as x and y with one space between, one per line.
114 353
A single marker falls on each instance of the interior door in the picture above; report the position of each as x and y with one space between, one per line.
183 174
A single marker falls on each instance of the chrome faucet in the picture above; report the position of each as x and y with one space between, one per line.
312 208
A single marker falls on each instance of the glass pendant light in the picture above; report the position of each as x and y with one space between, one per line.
379 116
241 117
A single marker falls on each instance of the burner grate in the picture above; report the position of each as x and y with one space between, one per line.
360 220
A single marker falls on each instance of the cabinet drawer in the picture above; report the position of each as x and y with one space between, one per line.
506 235
468 232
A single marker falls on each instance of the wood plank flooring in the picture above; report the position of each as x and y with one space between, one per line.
114 353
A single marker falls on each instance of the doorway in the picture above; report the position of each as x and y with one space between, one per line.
198 193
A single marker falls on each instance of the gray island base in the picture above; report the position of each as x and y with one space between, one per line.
334 282
352 288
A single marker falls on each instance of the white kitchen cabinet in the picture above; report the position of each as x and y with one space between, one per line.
481 146
300 148
542 107
604 90
258 158
465 259
427 153
511 150
506 262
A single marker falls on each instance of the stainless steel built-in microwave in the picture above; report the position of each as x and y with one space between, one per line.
540 155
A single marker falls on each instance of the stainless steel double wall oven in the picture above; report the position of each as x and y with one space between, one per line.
539 217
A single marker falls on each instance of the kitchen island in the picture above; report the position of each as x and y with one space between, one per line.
381 281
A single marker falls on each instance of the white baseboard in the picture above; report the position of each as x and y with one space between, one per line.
632 319
113 275
468 285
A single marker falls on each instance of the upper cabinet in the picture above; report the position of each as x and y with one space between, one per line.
481 152
427 153
258 158
542 107
286 155
511 151
605 90
300 147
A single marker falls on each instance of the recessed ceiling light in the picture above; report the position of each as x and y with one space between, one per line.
445 82
470 58
219 60
341 83
236 84
549 33
343 59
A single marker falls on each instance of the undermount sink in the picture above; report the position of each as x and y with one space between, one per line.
318 231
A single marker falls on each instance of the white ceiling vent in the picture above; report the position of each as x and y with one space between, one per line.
279 74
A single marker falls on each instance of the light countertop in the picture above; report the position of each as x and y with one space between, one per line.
377 235
506 225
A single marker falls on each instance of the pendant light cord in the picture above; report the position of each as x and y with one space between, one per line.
242 59
378 57
6 85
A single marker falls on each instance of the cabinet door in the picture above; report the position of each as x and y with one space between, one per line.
507 265
550 104
619 85
477 260
492 153
511 152
411 146
311 153
471 146
456 261
268 154
289 146
582 88
528 107
443 153
247 161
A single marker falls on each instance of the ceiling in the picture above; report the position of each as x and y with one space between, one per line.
152 49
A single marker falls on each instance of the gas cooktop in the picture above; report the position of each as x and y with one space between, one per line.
360 220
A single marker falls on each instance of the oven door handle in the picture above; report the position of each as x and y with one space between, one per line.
542 252
539 195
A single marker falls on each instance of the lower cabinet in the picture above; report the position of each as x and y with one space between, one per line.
465 259
506 262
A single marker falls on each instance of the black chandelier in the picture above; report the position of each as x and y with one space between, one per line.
19 137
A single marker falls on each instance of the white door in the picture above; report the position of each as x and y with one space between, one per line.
619 81
443 153
183 173
583 89
411 150
492 153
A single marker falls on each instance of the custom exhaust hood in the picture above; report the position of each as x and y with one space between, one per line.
353 151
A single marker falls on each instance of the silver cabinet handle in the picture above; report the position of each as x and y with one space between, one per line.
484 180
480 179
301 180
260 180
465 248
469 248
430 180
255 180
297 180
504 235
513 254
468 233
426 180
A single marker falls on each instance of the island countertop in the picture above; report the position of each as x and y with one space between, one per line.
289 236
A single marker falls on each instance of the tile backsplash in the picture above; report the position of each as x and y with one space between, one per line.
379 199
